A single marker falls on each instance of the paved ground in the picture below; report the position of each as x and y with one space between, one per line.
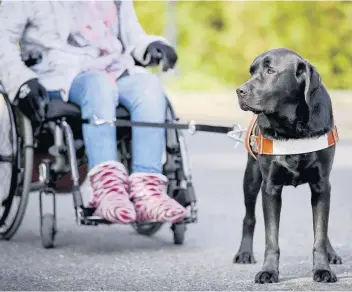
115 258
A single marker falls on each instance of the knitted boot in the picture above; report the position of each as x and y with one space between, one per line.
148 192
109 182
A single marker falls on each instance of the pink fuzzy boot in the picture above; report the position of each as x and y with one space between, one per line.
148 192
109 182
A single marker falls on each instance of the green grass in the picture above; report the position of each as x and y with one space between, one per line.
194 81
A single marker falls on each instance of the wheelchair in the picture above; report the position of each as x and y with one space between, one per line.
51 159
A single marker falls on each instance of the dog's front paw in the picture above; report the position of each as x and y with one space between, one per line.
265 277
334 258
324 276
245 257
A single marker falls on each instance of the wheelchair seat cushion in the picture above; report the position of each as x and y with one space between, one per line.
59 109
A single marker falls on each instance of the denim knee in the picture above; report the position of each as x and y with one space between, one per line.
96 94
150 101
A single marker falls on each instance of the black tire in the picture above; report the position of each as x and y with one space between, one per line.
179 231
17 172
147 229
48 230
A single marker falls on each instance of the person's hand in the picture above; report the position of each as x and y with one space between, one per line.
160 51
32 100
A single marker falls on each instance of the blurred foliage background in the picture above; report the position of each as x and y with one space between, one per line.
218 40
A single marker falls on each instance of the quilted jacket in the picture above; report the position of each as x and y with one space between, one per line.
42 28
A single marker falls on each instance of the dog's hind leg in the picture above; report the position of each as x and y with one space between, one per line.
321 207
251 187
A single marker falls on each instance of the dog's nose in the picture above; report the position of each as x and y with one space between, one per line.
241 91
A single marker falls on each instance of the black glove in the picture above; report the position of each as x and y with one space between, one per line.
160 51
32 99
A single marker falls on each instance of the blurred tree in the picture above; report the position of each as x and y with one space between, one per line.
221 38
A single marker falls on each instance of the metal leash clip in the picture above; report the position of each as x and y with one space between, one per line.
237 134
192 127
96 121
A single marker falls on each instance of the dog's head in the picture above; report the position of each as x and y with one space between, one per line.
278 77
281 84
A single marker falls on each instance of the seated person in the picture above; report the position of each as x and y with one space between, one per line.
86 53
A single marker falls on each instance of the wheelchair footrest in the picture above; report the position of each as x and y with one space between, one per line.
89 219
92 220
189 220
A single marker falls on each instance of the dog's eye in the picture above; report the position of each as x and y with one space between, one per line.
270 71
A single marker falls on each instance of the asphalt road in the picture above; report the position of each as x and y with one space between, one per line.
116 258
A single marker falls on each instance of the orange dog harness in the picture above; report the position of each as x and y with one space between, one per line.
255 143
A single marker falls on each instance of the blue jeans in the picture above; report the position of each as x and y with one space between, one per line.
142 95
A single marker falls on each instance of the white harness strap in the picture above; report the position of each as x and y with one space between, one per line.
299 146
257 144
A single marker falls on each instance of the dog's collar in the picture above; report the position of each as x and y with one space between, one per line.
256 144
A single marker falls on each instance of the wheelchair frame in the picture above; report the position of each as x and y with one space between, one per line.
68 154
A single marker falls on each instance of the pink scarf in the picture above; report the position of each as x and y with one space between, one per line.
95 30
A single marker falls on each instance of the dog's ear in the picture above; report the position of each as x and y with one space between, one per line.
320 118
307 74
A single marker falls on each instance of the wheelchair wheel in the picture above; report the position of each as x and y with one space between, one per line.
147 229
179 230
48 230
16 163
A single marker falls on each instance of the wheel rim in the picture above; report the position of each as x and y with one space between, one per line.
9 172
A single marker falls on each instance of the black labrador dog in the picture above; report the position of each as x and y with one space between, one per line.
287 95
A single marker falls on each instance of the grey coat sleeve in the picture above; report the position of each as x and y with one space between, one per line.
13 72
133 33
